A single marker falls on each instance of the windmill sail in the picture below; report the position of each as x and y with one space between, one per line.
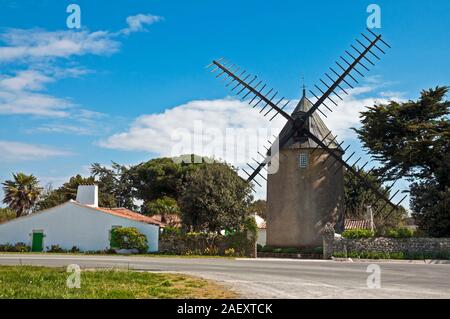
305 127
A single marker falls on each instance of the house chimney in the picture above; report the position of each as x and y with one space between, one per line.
88 195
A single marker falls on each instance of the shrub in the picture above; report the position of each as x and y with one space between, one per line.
368 255
267 249
230 252
75 249
318 250
170 230
211 251
400 233
17 248
290 250
21 248
358 233
398 255
195 252
259 247
55 249
130 238
339 255
393 255
7 247
94 252
277 250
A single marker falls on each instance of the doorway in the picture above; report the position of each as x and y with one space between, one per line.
38 241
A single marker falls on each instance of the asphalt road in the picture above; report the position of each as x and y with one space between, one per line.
263 278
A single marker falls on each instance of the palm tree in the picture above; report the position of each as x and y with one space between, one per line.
21 193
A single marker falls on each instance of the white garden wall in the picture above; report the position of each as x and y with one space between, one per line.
261 237
71 224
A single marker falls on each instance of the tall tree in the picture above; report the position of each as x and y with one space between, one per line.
412 140
214 198
68 191
157 178
116 181
259 207
163 177
431 207
6 214
21 193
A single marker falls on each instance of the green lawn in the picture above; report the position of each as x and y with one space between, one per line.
29 282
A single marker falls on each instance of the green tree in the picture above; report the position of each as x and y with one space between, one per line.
162 206
357 197
431 208
68 191
259 207
6 214
157 178
116 181
49 198
21 193
214 198
163 177
412 140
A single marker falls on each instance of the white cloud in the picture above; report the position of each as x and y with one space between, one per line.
17 151
25 80
23 102
64 129
346 114
45 55
160 133
138 22
177 130
37 44
19 95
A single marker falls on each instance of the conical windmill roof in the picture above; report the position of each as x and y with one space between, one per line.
316 127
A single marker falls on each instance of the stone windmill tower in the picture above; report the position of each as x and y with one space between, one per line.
305 187
305 192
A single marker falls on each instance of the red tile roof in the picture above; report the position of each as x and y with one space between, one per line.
262 225
129 214
170 220
356 224
260 222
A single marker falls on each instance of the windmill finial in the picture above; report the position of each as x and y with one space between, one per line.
303 87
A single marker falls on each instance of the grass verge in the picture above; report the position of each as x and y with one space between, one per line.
30 282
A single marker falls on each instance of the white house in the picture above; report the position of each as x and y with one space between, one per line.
79 223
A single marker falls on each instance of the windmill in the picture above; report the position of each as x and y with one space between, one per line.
304 164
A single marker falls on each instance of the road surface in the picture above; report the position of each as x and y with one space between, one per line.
264 278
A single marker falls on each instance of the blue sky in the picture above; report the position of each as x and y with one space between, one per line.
115 91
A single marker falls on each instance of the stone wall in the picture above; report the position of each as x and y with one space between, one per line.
207 244
392 245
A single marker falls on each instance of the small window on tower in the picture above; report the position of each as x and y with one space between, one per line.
303 160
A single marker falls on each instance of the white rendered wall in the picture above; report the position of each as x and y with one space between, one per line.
87 195
71 225
261 237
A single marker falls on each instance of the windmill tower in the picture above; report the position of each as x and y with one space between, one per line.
305 164
305 192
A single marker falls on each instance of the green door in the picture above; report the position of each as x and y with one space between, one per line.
113 243
38 239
